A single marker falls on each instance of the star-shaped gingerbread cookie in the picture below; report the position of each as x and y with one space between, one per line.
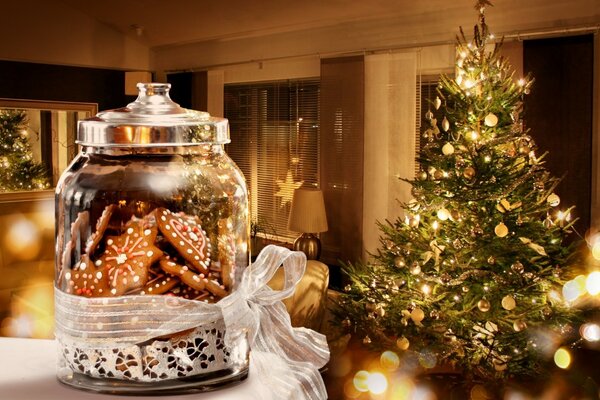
127 258
85 279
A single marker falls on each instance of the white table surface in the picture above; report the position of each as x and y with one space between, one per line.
28 372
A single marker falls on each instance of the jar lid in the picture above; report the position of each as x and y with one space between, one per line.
153 119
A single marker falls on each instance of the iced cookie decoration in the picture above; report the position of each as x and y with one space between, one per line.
199 282
161 284
185 234
85 279
127 258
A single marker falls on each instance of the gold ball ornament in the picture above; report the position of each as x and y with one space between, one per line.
437 175
553 200
490 120
501 230
517 267
443 214
469 172
423 175
483 305
403 343
447 149
399 262
519 325
445 125
509 303
415 268
417 315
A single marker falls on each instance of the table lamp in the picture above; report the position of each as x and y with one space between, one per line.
308 217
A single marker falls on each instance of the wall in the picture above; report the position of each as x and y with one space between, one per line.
425 25
51 32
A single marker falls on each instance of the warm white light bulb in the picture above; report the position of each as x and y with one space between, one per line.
426 289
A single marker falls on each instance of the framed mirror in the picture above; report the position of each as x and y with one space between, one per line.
37 142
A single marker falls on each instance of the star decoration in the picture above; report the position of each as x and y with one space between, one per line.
286 188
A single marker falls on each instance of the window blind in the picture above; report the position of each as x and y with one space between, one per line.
275 142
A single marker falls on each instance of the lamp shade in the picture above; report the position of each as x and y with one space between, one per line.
308 211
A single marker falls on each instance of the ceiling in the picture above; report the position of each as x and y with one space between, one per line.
158 23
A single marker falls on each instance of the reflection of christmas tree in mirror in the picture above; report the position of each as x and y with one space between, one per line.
472 275
18 169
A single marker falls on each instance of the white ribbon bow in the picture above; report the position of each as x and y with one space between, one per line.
286 359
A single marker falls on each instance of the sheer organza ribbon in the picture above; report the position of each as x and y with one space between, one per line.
286 359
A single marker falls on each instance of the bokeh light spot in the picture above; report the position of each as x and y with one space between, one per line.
590 332
562 358
377 383
361 381
389 360
592 283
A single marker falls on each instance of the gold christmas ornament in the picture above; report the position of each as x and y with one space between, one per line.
379 310
437 175
501 230
443 214
347 323
490 120
483 305
509 303
399 262
519 325
445 125
415 268
417 315
517 267
367 340
447 149
402 343
553 200
469 172
437 103
423 175
455 215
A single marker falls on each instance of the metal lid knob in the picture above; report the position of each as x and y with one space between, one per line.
153 119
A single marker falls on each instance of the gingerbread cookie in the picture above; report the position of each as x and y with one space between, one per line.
185 234
160 285
101 226
85 279
128 257
199 282
78 228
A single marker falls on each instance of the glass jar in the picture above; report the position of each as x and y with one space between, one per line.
152 211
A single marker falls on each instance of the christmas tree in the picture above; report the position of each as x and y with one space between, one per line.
472 275
18 169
